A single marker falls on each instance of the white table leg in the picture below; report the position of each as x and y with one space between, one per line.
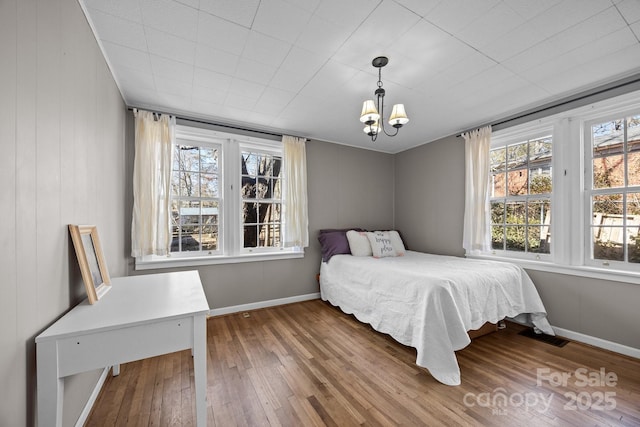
200 368
115 370
50 387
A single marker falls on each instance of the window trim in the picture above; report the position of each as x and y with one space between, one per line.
230 249
568 248
518 134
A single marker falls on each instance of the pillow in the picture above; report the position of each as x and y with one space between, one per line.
333 242
359 243
397 243
381 245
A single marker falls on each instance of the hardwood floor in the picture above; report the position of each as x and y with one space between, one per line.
309 364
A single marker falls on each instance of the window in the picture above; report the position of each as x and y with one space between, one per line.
195 197
261 199
565 191
226 199
613 190
520 195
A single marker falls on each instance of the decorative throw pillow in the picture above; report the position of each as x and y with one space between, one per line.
381 245
359 243
397 243
332 243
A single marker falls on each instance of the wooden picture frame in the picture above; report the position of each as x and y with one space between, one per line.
91 260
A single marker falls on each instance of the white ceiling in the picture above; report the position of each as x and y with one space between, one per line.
303 67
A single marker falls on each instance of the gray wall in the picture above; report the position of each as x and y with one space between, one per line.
347 187
429 207
62 143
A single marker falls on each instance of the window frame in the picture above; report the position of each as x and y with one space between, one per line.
230 249
570 216
590 191
510 137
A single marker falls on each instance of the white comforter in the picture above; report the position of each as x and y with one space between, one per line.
429 302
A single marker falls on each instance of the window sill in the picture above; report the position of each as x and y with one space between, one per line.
571 270
169 262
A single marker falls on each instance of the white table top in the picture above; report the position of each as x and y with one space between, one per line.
134 300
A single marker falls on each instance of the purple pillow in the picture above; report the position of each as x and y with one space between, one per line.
333 241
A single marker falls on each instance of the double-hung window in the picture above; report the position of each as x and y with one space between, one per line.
565 191
226 200
520 194
612 190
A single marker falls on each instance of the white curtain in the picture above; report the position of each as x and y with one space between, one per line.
295 214
150 230
476 235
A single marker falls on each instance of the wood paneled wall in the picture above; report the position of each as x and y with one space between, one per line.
61 161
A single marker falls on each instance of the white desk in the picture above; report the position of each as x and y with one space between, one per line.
140 317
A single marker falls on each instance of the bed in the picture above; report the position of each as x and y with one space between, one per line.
429 302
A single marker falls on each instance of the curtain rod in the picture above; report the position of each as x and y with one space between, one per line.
584 96
206 122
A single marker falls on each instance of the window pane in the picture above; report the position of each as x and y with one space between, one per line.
607 138
190 238
515 238
189 212
517 156
607 209
633 168
517 181
209 185
540 151
277 188
249 164
209 212
497 159
249 213
190 184
633 243
608 243
208 160
540 180
248 189
250 236
516 213
539 212
270 235
263 189
538 240
189 158
633 133
209 238
497 237
497 212
608 172
498 184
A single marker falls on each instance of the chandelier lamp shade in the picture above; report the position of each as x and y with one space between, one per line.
373 111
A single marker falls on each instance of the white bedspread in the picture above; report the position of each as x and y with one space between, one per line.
429 302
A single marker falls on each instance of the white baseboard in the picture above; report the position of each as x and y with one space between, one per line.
598 342
92 398
262 304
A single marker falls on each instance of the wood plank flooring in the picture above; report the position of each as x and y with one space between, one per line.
309 364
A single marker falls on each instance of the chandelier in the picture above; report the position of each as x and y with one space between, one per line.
374 121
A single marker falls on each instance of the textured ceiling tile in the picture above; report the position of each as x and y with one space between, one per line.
266 49
126 9
211 79
221 34
254 71
170 17
241 12
349 14
630 10
118 30
322 36
170 46
454 15
270 20
216 60
490 26
125 57
171 69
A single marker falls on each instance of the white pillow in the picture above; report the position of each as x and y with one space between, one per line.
359 243
396 242
381 244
